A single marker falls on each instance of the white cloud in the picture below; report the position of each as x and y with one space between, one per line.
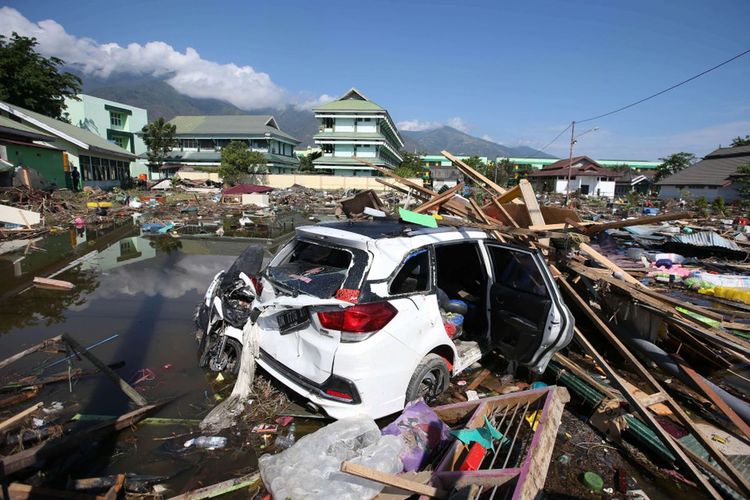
487 137
459 124
305 103
187 71
418 125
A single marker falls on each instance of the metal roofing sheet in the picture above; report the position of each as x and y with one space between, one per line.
706 239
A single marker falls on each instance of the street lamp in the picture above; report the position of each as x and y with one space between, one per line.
573 140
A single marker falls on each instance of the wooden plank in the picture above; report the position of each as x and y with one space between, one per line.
711 394
13 215
505 213
601 259
509 195
636 366
124 386
20 491
438 200
478 380
650 219
473 174
52 283
37 347
39 453
114 492
221 488
586 377
7 424
392 480
532 205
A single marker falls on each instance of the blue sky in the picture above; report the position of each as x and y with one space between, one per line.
516 72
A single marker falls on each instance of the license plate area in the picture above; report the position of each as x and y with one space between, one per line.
292 320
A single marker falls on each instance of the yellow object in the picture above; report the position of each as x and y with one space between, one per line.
736 294
533 419
219 377
99 204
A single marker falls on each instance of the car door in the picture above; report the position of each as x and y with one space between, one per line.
529 321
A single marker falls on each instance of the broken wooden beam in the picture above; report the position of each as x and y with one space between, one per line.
52 284
438 200
392 480
649 219
124 386
219 488
477 177
15 419
36 347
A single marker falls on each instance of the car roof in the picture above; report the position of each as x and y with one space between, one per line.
385 228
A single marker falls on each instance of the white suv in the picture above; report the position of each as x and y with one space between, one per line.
351 314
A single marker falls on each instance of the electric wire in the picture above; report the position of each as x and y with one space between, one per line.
623 108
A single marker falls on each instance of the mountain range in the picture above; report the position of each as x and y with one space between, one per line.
160 99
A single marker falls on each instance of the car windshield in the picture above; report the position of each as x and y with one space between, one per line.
319 270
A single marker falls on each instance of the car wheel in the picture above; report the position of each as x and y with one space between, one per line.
233 351
430 379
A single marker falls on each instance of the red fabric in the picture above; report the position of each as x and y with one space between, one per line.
247 189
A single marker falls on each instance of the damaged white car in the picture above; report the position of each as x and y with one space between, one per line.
362 317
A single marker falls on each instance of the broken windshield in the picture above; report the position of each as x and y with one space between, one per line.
319 270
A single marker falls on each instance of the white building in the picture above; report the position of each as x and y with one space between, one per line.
587 177
353 127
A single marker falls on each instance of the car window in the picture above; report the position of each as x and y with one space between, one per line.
319 270
414 275
517 270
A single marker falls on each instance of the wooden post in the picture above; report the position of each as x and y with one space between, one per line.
32 349
636 366
476 176
126 388
20 416
392 480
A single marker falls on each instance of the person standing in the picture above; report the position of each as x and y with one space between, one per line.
76 176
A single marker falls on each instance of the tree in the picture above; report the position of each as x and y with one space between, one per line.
159 137
32 81
237 161
410 166
740 141
673 164
743 181
306 162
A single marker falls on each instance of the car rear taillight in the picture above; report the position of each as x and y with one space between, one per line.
359 320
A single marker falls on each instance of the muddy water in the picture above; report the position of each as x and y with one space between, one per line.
145 292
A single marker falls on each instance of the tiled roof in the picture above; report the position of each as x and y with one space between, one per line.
589 168
714 170
95 142
229 126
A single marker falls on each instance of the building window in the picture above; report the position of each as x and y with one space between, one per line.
327 148
116 119
188 144
327 122
121 141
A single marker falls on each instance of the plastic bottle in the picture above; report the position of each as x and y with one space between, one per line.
284 442
207 442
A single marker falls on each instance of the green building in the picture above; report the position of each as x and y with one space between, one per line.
22 146
100 162
115 122
351 128
201 139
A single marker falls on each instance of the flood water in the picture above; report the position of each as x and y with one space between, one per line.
144 291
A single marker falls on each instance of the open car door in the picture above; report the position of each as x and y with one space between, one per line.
529 321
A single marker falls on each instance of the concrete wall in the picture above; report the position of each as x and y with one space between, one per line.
48 162
669 192
343 125
596 188
323 182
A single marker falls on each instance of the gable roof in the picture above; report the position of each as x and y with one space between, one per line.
13 128
352 100
577 166
247 189
714 170
229 125
66 131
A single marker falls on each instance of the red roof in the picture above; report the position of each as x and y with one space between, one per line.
583 166
247 189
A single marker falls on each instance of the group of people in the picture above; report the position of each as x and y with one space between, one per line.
75 177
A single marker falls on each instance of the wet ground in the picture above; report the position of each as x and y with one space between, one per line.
144 292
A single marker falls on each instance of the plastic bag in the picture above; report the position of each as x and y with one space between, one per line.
311 468
422 431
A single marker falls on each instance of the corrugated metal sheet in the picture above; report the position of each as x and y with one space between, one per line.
706 239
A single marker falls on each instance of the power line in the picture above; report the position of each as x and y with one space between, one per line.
556 138
665 90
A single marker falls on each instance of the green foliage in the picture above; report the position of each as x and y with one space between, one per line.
32 81
633 199
410 166
306 162
476 163
237 161
500 172
701 205
159 137
743 181
741 141
718 206
673 164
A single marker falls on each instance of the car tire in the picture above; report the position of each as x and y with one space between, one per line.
429 380
234 350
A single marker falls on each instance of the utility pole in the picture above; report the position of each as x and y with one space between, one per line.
570 161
